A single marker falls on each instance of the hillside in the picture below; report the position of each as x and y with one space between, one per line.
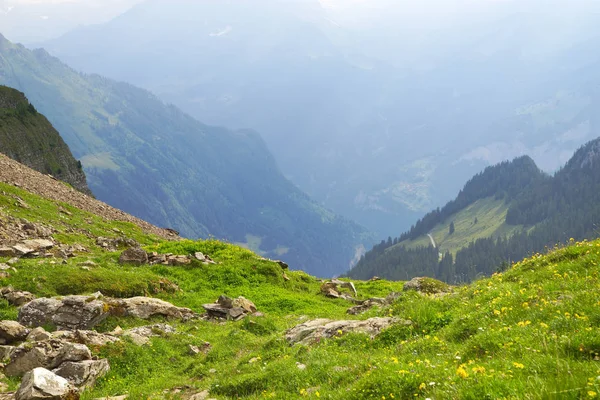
503 214
530 332
28 137
157 163
383 121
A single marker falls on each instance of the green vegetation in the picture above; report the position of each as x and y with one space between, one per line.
157 163
28 137
504 214
530 332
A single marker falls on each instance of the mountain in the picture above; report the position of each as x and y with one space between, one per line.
158 327
379 109
506 213
28 137
156 162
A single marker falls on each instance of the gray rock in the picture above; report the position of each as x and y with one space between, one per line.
41 384
313 331
38 244
70 313
12 331
147 307
39 312
22 250
140 336
134 256
47 354
38 334
6 352
427 286
83 374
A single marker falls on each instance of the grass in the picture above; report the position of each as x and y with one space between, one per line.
490 215
532 332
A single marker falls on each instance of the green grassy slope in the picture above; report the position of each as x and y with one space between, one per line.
531 332
157 163
490 215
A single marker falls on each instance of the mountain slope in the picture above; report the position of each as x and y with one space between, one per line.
479 235
156 162
530 332
28 137
371 128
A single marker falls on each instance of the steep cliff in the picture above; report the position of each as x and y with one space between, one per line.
28 137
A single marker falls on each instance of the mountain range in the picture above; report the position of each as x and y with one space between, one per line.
364 116
156 162
507 212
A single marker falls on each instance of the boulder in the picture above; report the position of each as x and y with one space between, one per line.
41 384
83 374
333 289
427 286
147 307
245 304
39 312
313 331
15 297
134 256
367 305
6 352
38 244
68 313
38 334
227 308
12 331
140 336
22 250
48 354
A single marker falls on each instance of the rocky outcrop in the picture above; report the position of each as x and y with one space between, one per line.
48 354
134 256
140 336
11 332
83 374
84 312
427 286
313 331
16 298
41 384
334 288
230 309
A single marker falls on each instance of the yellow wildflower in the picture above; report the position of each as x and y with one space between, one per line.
460 371
518 365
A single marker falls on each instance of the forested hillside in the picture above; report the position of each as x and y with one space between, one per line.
542 211
28 137
157 163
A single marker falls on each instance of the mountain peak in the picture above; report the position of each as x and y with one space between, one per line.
587 156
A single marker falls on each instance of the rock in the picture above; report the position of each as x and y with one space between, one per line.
282 264
200 396
38 334
13 261
333 289
7 252
41 384
374 279
22 250
245 304
88 263
301 367
227 308
147 307
83 374
12 331
313 331
367 305
39 312
6 352
141 336
48 354
134 256
38 244
427 286
16 298
70 313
